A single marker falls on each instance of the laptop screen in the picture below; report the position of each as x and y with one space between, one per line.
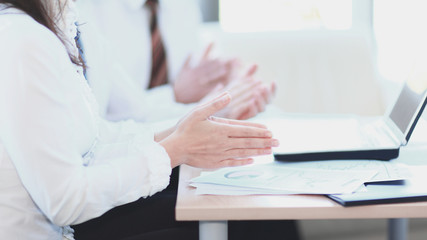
408 108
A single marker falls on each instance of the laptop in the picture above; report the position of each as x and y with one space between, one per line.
328 137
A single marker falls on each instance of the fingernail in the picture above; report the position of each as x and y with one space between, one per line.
275 143
268 134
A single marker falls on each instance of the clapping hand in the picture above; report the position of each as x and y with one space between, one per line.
250 96
195 82
202 140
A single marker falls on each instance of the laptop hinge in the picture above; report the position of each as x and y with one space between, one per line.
394 132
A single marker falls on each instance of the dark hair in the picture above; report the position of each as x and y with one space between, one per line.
44 15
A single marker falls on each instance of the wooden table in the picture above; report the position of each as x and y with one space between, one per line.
213 212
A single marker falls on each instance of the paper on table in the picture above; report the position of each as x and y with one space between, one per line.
387 170
282 178
208 188
214 189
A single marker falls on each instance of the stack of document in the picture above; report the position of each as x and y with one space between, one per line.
334 177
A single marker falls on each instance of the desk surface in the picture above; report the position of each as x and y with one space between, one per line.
206 207
212 208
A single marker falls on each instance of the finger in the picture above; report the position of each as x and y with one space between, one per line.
260 101
207 51
215 73
234 67
244 87
267 94
237 110
232 111
235 162
237 122
244 99
187 62
239 105
249 113
273 88
218 89
252 70
211 70
204 111
234 63
245 153
239 131
242 94
243 143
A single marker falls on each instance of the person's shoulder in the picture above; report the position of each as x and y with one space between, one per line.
26 45
21 33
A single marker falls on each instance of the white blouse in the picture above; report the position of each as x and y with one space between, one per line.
60 163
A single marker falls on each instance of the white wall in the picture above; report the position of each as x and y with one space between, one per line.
316 71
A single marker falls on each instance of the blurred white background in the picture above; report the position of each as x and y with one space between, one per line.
327 56
333 56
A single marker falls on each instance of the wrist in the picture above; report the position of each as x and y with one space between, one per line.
173 150
159 136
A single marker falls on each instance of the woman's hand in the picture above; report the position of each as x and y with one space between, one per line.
201 140
203 77
250 96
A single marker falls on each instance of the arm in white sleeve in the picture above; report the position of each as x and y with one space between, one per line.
47 125
128 100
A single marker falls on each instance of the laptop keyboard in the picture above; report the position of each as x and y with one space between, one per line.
377 134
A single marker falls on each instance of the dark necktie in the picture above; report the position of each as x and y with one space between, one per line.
158 59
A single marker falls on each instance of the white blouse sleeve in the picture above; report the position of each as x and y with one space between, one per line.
128 100
47 126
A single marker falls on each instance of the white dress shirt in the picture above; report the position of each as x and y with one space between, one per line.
60 162
125 26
